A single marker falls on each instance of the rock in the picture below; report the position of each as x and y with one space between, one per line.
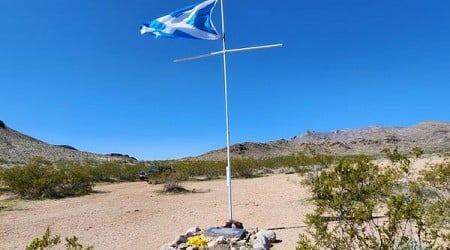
122 156
269 234
290 170
173 243
259 246
264 239
220 247
2 124
233 224
191 231
167 247
67 147
221 239
212 244
251 231
182 246
180 239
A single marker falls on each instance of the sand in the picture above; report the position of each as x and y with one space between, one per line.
136 216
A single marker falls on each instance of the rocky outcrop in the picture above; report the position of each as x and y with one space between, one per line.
433 137
430 136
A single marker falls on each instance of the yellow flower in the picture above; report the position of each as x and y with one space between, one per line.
198 241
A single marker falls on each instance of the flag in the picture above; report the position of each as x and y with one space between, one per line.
193 21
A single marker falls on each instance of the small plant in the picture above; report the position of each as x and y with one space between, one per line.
73 244
48 241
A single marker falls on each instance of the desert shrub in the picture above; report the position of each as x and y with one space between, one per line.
244 168
438 176
128 172
183 170
116 171
174 187
352 191
77 179
49 241
42 179
106 172
241 167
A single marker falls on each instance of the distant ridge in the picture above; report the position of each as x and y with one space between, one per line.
16 147
433 137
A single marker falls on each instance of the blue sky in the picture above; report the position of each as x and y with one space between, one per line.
79 72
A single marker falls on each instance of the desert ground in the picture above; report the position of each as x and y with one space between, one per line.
137 216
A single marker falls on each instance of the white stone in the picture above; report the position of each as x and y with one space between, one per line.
167 247
269 234
192 231
221 239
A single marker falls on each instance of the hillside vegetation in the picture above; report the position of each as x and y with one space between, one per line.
16 147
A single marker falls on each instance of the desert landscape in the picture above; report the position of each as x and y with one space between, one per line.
136 215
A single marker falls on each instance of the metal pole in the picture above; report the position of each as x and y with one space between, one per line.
230 207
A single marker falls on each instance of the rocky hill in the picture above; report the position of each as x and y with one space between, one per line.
16 147
431 136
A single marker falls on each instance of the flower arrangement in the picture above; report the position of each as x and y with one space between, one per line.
198 241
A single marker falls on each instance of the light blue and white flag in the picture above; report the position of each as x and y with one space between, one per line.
193 21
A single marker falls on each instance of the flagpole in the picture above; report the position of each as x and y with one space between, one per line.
227 120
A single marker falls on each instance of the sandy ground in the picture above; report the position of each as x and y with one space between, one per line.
136 216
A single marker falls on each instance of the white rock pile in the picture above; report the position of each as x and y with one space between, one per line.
251 240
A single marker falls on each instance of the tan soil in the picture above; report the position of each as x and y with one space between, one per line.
136 216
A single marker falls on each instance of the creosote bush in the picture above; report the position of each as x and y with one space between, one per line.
373 207
115 171
241 167
42 179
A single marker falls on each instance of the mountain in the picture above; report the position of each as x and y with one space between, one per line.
432 137
16 147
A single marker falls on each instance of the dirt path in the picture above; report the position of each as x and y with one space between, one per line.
135 216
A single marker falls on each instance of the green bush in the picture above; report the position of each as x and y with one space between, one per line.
244 168
49 241
116 171
352 191
42 179
241 167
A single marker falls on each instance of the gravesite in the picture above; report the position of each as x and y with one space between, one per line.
171 135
